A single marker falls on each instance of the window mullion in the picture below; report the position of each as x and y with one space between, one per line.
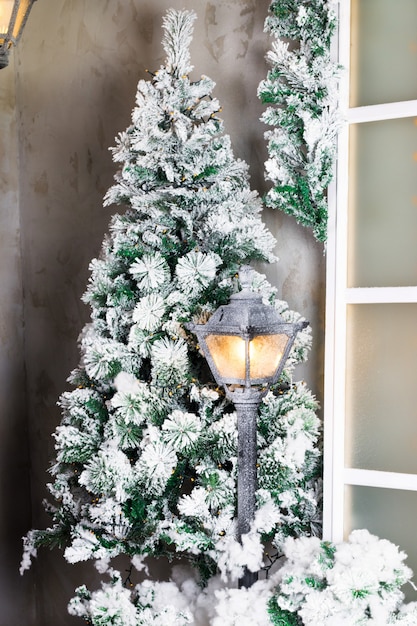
336 309
380 479
380 295
381 112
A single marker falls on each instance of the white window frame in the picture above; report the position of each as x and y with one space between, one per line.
338 296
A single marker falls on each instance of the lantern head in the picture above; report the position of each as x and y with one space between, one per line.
246 342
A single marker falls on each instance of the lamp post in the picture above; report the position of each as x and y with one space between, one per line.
246 344
13 16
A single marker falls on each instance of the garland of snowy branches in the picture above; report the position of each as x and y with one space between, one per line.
301 91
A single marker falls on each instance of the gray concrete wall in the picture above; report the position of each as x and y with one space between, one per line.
76 70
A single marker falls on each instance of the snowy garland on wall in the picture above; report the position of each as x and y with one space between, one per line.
146 456
301 91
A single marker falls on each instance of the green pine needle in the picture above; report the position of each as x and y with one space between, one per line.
279 617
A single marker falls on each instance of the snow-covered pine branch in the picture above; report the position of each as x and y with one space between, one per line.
300 92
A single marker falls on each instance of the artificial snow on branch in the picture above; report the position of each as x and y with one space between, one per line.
301 93
146 451
353 583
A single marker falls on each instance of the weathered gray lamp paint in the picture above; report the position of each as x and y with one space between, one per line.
13 16
246 344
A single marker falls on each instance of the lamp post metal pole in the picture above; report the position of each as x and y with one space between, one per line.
247 474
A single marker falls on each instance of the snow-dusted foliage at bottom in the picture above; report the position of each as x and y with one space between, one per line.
319 584
178 602
348 584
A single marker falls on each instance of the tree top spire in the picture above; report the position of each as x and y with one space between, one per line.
178 27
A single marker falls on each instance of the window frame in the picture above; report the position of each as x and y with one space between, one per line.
338 296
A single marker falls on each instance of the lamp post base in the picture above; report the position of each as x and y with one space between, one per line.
247 579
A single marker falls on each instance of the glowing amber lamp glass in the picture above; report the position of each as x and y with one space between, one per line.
229 355
265 355
6 8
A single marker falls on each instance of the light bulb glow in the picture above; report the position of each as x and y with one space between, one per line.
265 355
6 8
229 356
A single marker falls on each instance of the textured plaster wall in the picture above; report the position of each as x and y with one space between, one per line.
76 72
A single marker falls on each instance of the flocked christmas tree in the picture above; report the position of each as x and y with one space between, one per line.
146 450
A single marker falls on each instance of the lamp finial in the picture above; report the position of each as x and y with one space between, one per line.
245 277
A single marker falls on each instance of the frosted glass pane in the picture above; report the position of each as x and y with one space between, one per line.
381 381
388 513
228 352
383 51
382 234
265 355
6 8
229 355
